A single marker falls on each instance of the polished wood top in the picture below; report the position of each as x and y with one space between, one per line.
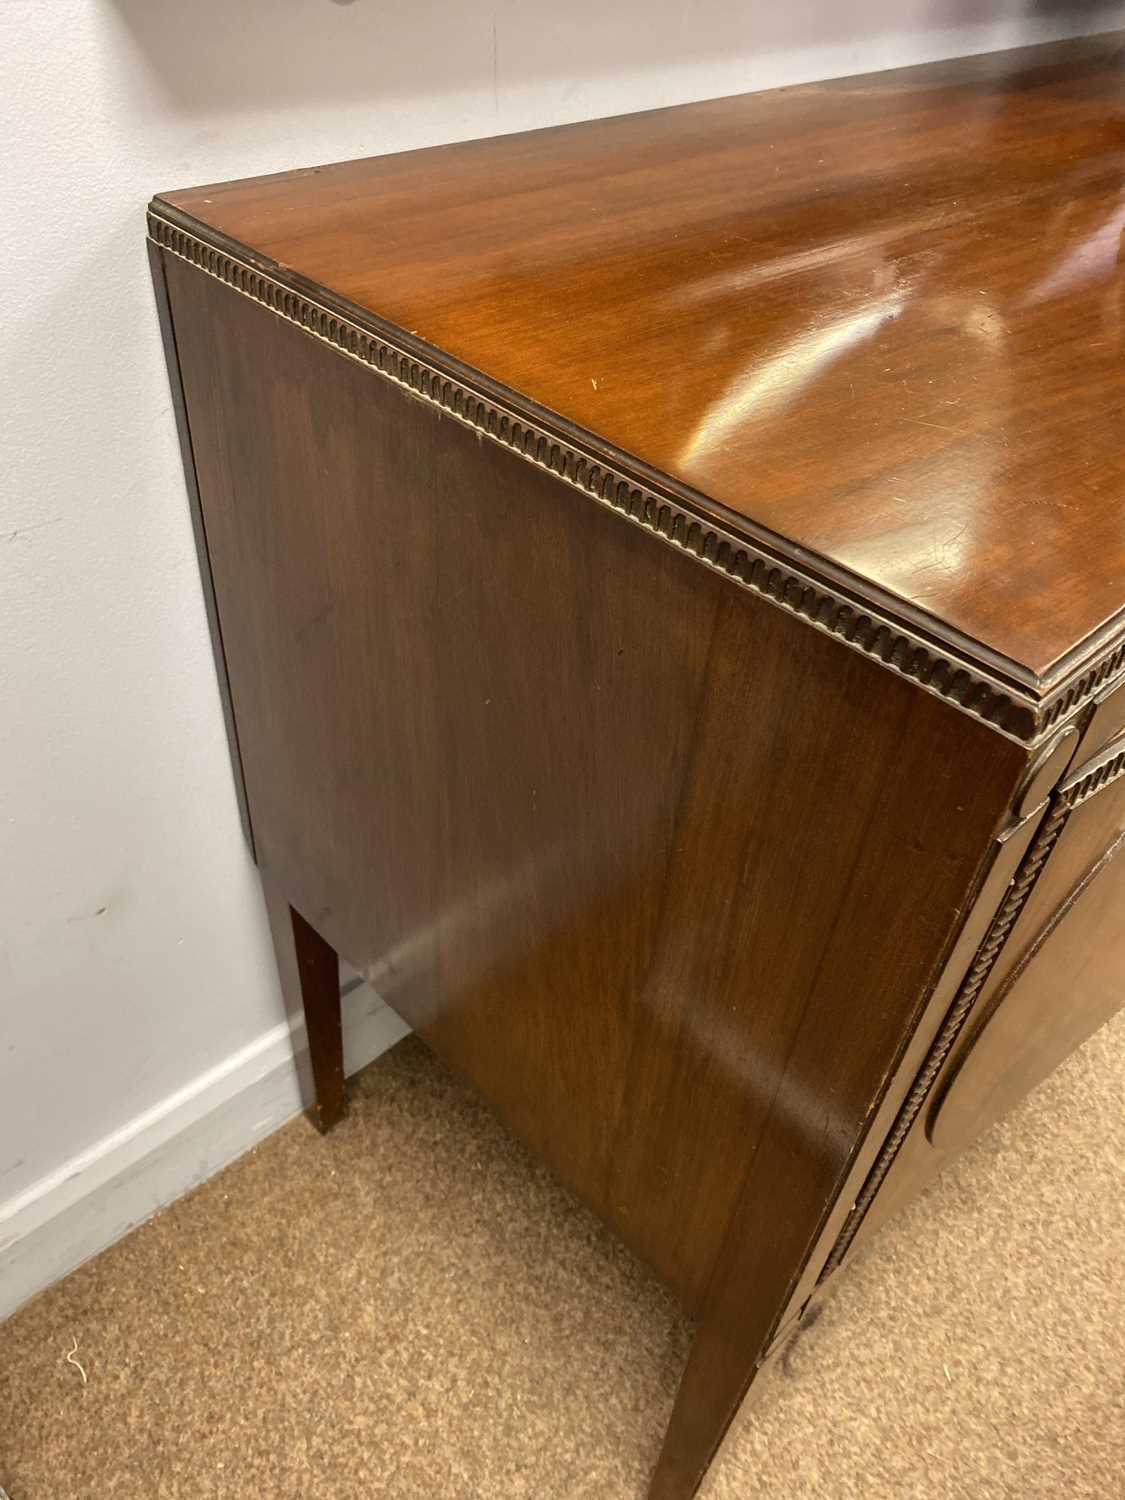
882 317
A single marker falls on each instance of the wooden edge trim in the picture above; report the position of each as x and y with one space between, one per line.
855 622
1093 775
1078 691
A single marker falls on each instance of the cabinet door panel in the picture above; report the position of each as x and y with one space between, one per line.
1069 982
1107 721
1089 831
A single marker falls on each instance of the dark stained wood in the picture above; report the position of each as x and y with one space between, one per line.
1106 721
309 970
881 317
1000 867
1058 976
720 891
1070 982
1085 835
566 797
319 970
183 431
562 793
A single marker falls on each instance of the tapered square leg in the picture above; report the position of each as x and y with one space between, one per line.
716 1381
736 1339
309 969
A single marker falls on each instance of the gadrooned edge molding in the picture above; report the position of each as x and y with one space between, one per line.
1081 689
1095 775
1092 777
781 583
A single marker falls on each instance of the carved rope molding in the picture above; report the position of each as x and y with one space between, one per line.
782 584
1107 767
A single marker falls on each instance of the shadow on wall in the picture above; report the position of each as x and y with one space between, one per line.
237 54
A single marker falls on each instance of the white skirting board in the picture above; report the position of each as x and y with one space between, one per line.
95 1198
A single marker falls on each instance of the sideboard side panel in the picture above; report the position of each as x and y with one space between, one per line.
664 871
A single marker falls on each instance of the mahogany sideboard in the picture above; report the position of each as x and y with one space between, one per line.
667 581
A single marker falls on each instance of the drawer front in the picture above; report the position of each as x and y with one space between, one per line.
1054 971
1087 822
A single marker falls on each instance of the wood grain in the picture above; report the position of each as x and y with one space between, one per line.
567 826
1070 982
880 317
1054 979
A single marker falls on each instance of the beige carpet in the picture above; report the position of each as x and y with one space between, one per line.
412 1308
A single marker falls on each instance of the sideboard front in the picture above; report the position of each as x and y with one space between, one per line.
1052 971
